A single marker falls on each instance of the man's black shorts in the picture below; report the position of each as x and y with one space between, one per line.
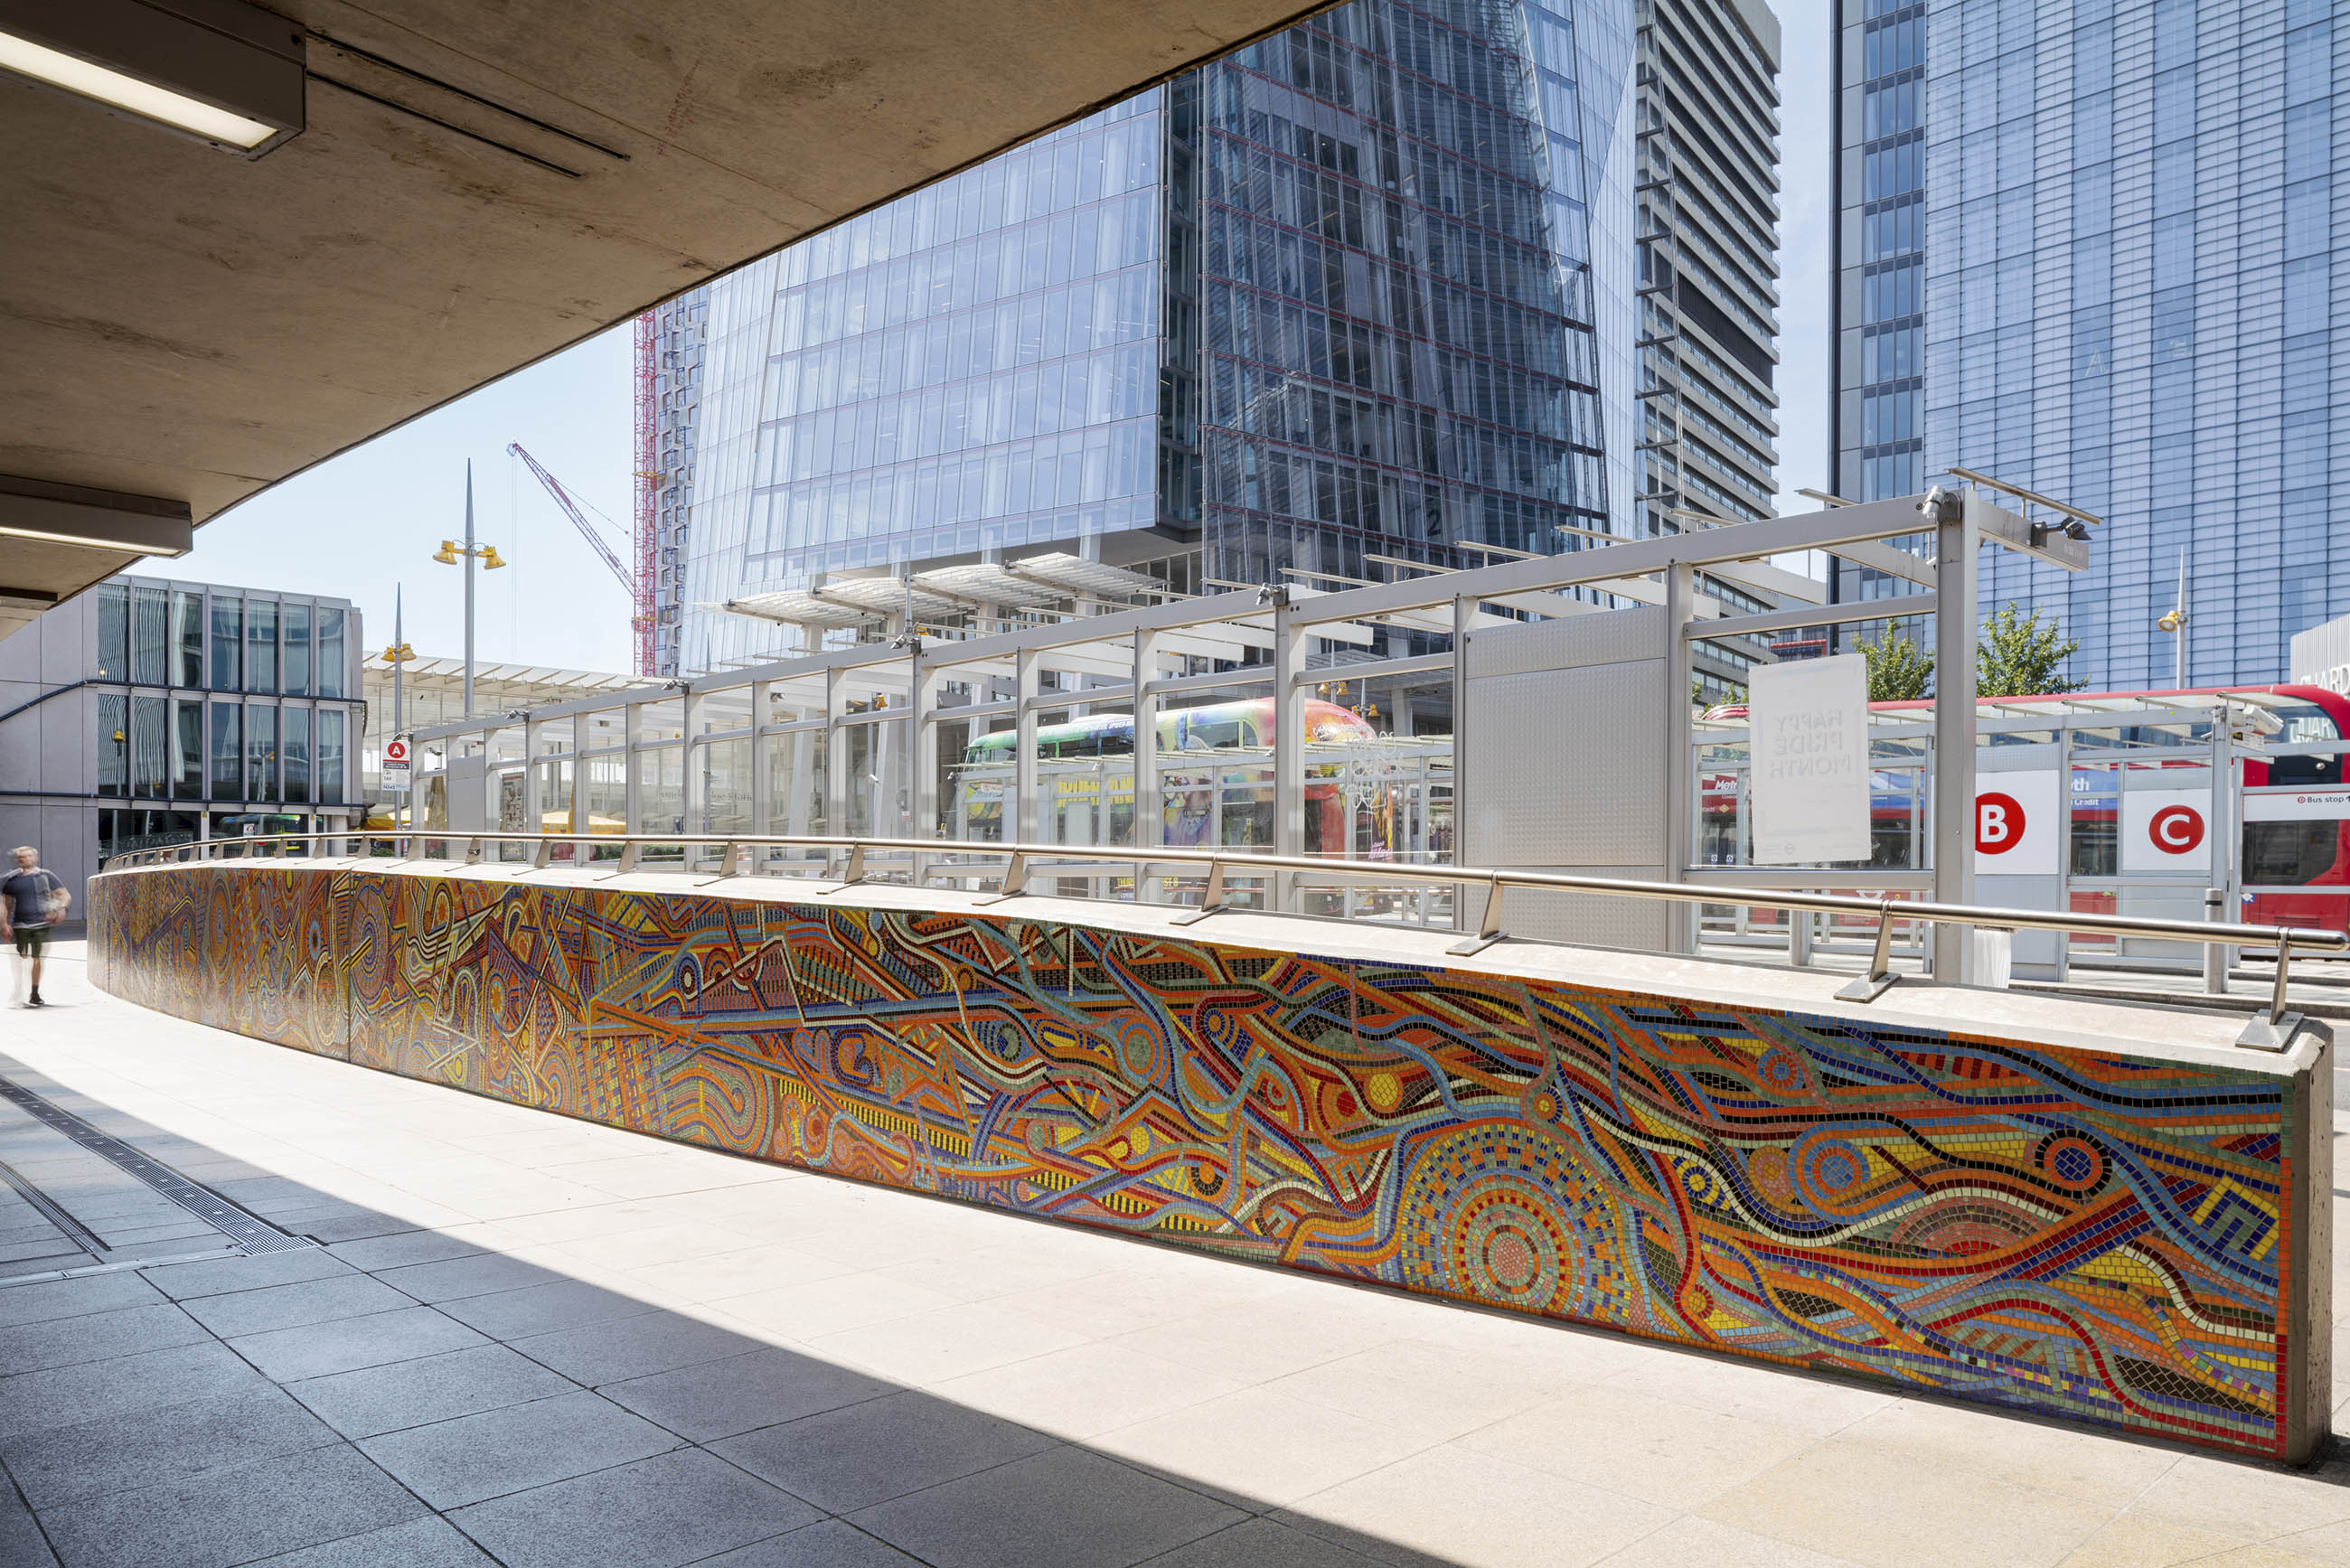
32 942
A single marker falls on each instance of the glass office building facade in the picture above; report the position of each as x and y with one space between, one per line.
2089 248
1374 289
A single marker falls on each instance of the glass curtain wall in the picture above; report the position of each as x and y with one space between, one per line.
2097 251
972 367
1400 348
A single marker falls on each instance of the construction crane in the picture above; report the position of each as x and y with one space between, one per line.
639 595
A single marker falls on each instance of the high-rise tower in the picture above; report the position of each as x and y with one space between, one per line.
1423 284
2089 248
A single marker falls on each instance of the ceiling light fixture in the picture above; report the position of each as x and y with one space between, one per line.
90 519
221 71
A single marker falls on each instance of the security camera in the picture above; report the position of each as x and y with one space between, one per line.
1943 505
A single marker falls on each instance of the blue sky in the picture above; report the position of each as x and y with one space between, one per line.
370 519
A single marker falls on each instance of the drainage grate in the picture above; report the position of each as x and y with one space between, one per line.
66 1225
239 1224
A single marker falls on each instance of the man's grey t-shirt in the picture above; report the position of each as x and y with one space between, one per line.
28 894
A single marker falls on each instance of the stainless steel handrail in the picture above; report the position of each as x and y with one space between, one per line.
2311 939
1220 867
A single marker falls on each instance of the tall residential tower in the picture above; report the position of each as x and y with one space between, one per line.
1407 282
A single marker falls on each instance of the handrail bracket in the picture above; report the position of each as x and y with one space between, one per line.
1881 975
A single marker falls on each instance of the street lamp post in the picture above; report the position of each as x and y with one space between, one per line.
449 555
2175 623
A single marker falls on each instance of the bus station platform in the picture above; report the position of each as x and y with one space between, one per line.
509 1337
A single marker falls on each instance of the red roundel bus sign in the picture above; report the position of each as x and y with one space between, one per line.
1999 822
2176 829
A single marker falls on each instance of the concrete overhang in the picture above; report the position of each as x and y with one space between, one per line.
473 187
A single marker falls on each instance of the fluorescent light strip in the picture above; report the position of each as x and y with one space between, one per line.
84 542
80 76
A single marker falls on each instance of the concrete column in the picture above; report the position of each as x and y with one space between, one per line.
1955 547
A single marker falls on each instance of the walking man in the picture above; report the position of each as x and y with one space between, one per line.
30 899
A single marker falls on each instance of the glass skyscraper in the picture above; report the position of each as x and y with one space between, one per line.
1424 284
2088 248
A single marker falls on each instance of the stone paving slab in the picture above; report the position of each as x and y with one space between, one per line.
529 1340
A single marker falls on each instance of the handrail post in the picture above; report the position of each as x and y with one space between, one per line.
2274 1030
1212 897
1489 929
546 855
1880 975
1015 878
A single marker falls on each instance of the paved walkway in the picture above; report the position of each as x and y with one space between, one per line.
535 1341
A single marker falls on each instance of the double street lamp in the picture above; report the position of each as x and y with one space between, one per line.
451 553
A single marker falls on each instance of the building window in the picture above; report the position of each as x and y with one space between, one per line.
188 640
334 661
150 637
260 646
151 767
296 751
260 752
330 751
187 750
114 632
114 741
228 751
228 645
296 631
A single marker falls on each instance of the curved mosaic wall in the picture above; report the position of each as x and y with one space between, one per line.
2101 1237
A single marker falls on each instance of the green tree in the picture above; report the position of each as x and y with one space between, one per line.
2018 655
1898 670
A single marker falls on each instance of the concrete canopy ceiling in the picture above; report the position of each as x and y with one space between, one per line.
180 323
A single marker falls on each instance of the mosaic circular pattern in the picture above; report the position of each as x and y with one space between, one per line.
2073 1162
1831 1176
1492 1212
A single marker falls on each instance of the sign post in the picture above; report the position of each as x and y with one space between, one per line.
395 769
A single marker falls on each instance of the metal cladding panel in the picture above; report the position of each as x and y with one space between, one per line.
2036 1203
1564 752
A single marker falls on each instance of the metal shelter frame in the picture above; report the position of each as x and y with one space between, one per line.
1263 637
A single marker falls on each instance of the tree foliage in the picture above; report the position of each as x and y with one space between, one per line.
2018 655
1898 670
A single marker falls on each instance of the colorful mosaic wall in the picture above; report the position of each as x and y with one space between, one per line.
2100 1237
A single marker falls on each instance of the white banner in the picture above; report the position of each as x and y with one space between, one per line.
2315 806
2166 830
2016 826
1809 722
